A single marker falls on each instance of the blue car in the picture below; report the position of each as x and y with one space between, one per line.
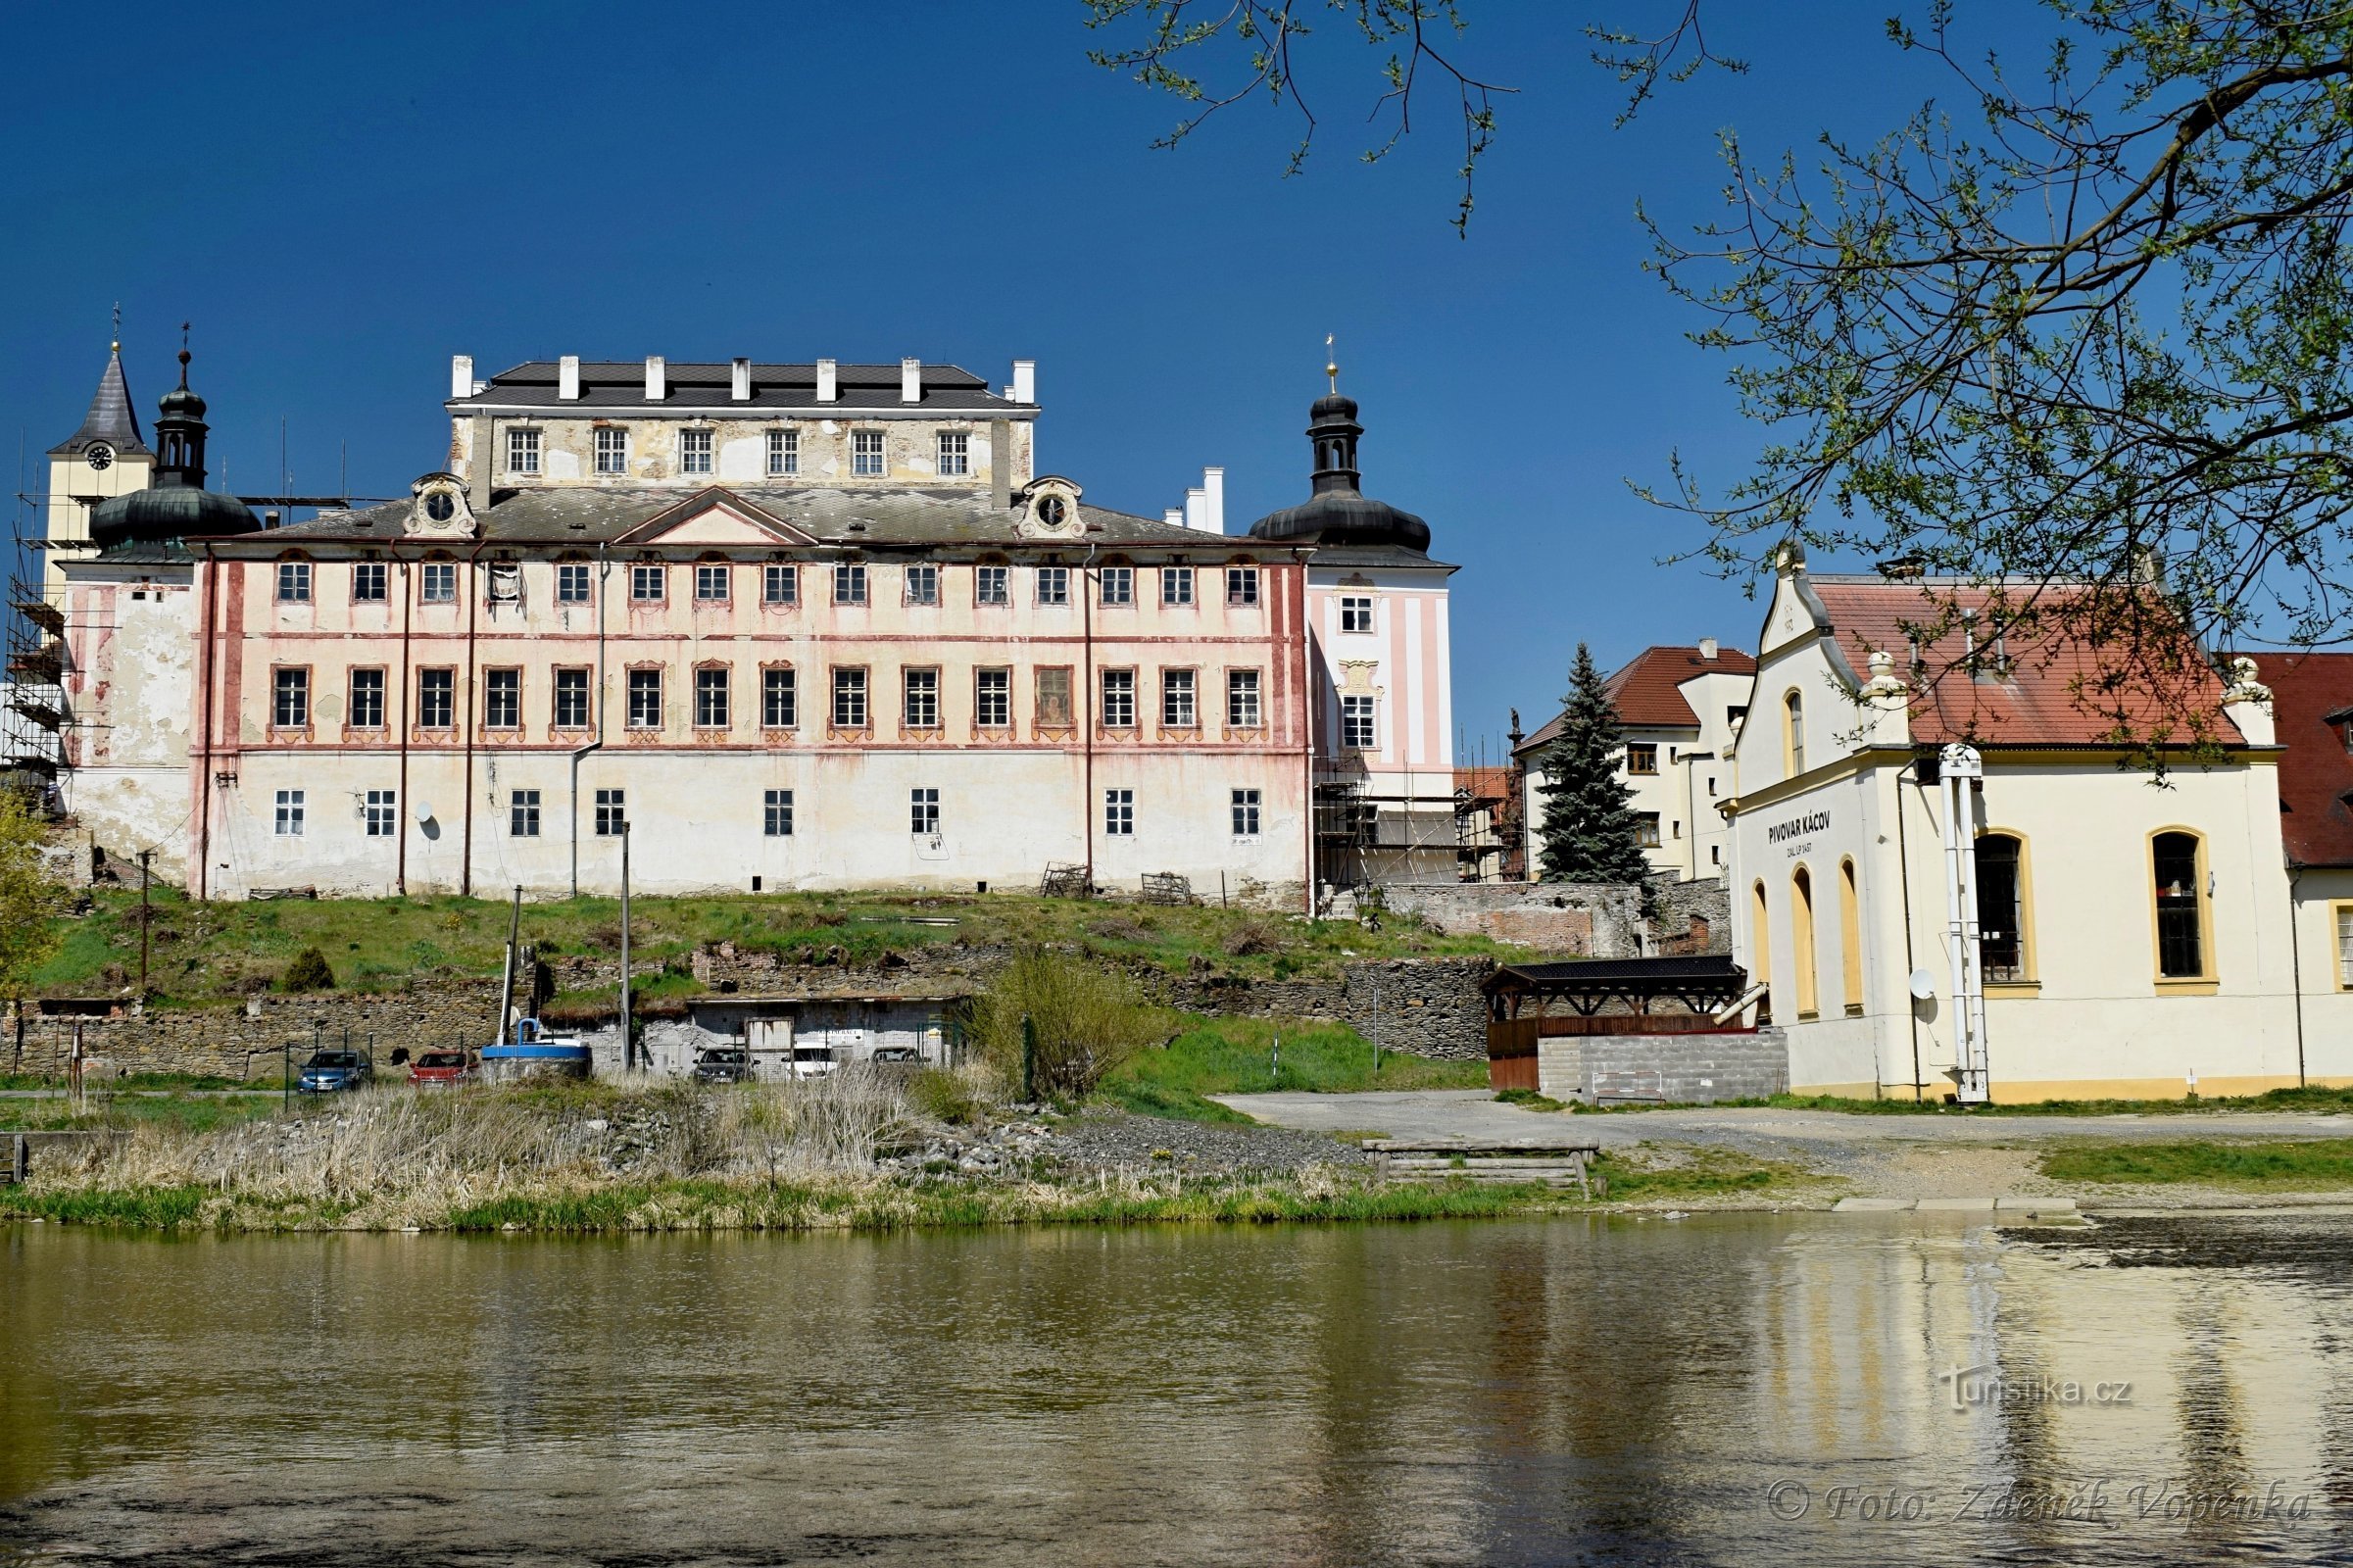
330 1072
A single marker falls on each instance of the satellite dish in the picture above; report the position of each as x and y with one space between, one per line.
425 810
1924 985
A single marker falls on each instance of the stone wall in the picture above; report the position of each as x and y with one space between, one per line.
1680 1069
1426 1006
250 1040
1578 920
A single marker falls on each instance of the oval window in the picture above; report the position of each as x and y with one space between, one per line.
440 506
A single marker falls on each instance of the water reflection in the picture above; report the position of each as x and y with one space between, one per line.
1743 1389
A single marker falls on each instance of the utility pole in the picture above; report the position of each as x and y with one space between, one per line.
145 915
628 1035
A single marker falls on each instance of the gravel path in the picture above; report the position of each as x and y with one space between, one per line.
1111 1140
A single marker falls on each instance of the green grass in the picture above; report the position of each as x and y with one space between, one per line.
1529 1099
2313 1100
1707 1173
2317 1164
188 1112
138 1080
215 954
1236 1055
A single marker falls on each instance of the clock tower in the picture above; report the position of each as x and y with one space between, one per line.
104 459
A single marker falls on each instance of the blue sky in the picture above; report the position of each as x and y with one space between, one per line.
340 200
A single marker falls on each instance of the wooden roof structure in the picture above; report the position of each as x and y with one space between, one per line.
1702 984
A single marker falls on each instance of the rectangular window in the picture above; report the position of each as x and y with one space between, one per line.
1642 756
290 699
645 699
1242 700
1357 723
1242 585
1120 699
711 697
2344 946
1176 585
2181 911
571 582
612 450
1645 829
1053 695
1246 813
993 698
436 699
366 699
571 699
776 813
522 451
1119 814
1054 585
779 700
866 453
367 583
502 699
779 583
922 700
438 582
849 584
522 815
711 582
612 812
693 452
649 582
378 813
289 813
848 698
990 586
922 585
1119 585
1355 614
784 452
955 454
1178 708
923 810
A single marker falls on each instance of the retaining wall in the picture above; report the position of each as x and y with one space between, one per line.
1680 1068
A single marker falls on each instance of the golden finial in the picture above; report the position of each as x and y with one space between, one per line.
1331 365
117 345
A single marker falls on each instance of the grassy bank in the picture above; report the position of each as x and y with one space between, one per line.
2312 1165
1238 1056
214 952
2314 1100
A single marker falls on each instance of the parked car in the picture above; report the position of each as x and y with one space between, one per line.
436 1068
897 1055
330 1072
812 1061
725 1065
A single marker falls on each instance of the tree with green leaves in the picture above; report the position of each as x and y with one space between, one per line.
1589 832
32 898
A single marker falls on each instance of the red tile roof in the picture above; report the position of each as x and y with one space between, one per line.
1645 690
2049 697
2317 772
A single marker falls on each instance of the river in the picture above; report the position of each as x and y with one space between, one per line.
1732 1389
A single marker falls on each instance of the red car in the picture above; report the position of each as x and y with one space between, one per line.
438 1068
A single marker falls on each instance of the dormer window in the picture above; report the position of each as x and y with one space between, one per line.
694 451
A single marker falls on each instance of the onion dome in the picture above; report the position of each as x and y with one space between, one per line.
1338 512
176 505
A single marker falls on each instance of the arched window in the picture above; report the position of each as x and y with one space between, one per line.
2178 860
2002 945
1760 953
1850 939
1802 941
1793 735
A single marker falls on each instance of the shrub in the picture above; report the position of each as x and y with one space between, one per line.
310 971
948 1097
1253 935
1087 1021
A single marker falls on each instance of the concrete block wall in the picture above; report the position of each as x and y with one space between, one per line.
1681 1069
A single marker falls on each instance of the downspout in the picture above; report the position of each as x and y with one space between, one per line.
1307 701
603 570
1904 880
1086 614
2295 956
473 609
204 741
407 608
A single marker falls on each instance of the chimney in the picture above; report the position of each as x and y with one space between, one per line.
827 390
1213 508
1174 516
568 378
910 380
1197 506
462 376
740 381
658 378
1025 381
1707 650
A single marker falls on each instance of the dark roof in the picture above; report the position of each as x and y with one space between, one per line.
606 385
2316 774
1337 511
1646 690
1373 556
111 418
863 518
169 512
1619 971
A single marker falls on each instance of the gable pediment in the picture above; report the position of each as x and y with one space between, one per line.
718 520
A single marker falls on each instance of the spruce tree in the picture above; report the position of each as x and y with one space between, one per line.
1589 832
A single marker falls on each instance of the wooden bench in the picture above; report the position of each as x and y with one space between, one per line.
1555 1162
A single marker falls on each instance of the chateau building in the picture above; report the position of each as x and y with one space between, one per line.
780 625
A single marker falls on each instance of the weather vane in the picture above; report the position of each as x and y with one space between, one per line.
117 338
1331 365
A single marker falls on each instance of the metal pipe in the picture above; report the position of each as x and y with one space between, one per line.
603 570
1086 589
408 610
473 609
2296 958
628 1035
1904 882
209 665
1961 768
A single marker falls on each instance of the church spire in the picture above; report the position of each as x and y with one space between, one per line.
180 429
111 421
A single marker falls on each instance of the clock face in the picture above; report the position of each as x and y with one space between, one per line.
99 456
